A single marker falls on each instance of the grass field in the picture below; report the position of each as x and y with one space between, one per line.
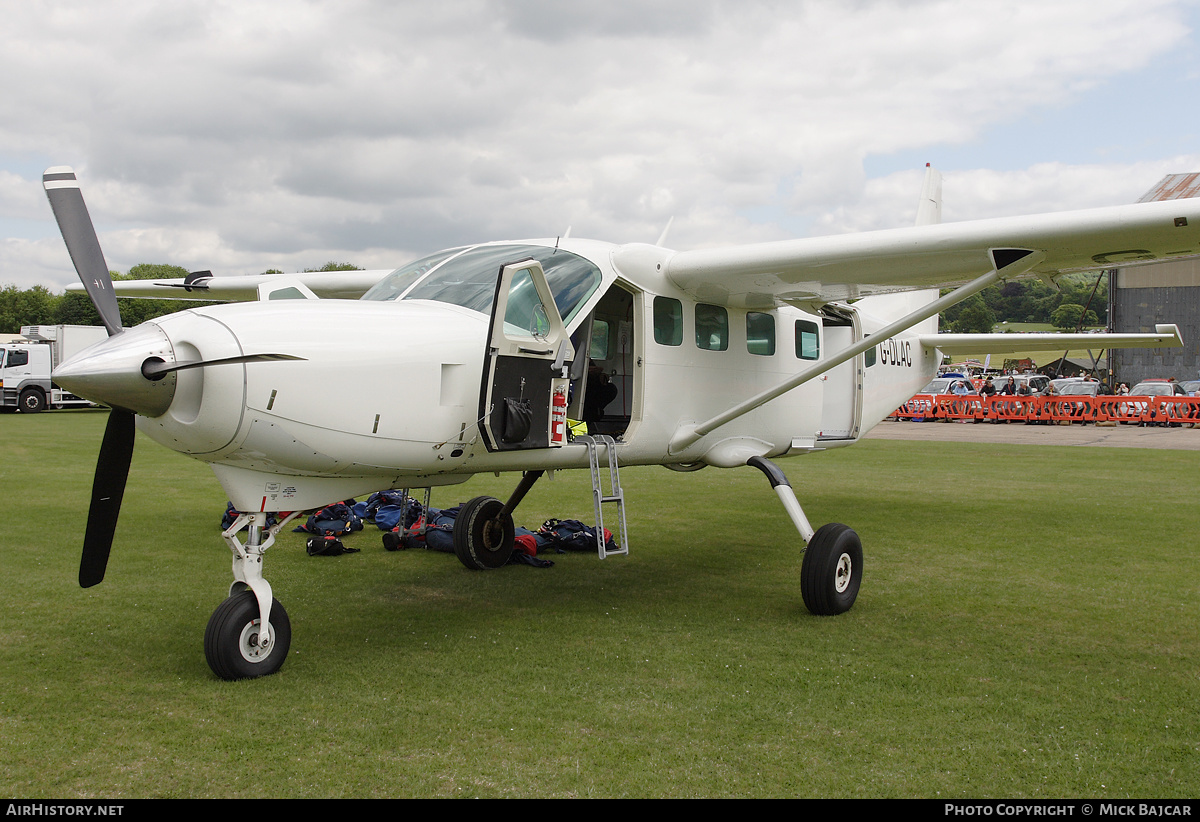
1027 627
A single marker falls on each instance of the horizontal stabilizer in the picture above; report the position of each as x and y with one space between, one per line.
1165 336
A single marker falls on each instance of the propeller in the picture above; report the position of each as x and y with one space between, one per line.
116 450
108 487
111 376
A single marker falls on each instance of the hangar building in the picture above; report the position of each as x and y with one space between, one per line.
1168 292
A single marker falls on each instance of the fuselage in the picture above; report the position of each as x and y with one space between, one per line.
388 391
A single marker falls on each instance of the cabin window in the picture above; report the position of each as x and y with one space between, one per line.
524 313
17 357
869 356
600 345
289 293
760 334
712 327
808 343
668 321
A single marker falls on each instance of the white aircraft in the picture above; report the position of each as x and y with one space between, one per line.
471 360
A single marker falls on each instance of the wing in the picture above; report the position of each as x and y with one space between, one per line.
849 266
342 285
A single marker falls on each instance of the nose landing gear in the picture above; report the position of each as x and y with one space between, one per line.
249 634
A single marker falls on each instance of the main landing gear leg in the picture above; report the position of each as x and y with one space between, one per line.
831 573
249 633
483 530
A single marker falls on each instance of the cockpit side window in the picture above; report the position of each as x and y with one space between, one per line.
400 280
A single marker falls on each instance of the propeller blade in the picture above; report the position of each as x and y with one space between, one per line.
156 368
66 201
108 487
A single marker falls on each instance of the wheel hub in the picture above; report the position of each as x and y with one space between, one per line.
252 650
843 573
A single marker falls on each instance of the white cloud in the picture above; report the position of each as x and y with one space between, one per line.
239 137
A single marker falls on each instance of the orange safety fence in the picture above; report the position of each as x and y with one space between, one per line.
1124 409
920 407
1176 409
954 407
1011 408
1067 408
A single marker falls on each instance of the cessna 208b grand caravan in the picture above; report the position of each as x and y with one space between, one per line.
715 357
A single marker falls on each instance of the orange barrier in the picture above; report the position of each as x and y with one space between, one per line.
920 407
1010 408
1176 409
1067 408
1123 409
954 407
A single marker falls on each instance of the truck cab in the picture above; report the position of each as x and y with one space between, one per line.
24 377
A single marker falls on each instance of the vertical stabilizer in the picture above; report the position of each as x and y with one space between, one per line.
929 207
887 307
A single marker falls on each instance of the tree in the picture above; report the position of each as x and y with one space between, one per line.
332 266
1067 316
34 306
975 318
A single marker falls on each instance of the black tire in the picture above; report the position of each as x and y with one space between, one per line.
483 539
231 638
832 570
32 401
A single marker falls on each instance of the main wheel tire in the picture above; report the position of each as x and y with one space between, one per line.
483 539
32 401
832 570
231 638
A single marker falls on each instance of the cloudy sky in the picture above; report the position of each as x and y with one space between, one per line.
238 137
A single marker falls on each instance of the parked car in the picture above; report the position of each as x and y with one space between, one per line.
945 385
1036 382
1152 388
1080 388
1192 387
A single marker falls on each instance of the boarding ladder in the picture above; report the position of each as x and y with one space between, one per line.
615 495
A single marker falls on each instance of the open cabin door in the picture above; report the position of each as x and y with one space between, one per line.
841 413
523 400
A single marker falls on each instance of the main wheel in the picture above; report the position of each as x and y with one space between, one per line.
483 538
231 643
832 570
32 401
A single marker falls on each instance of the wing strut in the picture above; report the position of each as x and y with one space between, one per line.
686 435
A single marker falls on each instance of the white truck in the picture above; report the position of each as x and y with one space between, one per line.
26 365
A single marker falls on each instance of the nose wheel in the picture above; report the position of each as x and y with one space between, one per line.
249 634
235 644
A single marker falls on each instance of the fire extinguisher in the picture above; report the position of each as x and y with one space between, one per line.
558 417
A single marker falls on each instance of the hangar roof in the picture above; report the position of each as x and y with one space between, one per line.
1173 187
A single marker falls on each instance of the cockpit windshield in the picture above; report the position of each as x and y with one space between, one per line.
468 277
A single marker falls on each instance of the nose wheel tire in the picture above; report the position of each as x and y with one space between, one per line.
832 570
483 535
232 643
